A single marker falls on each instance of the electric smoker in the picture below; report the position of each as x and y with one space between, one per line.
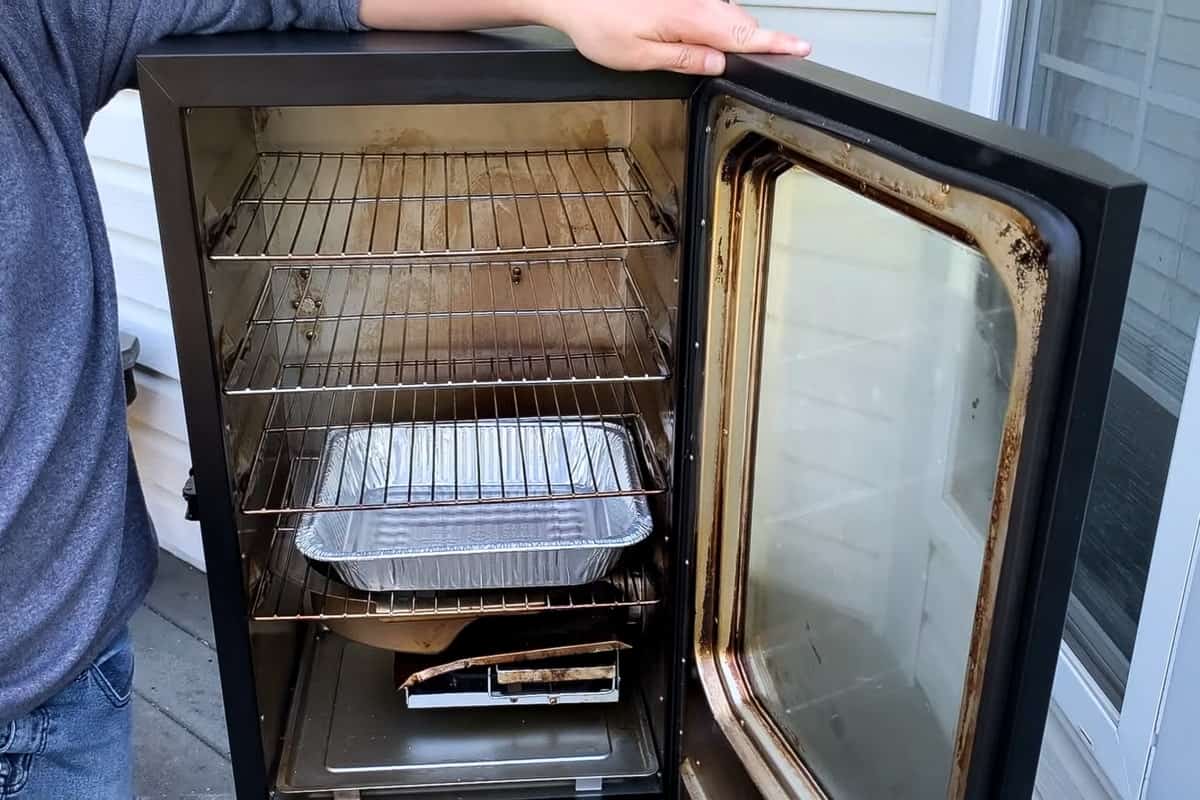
560 432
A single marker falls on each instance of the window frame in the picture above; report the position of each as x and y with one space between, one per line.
1123 741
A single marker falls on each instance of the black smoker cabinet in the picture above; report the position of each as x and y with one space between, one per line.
559 432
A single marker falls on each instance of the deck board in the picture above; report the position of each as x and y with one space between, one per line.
181 751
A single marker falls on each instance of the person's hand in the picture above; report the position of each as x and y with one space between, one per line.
690 36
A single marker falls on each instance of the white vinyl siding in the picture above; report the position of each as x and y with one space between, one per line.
117 147
890 41
948 50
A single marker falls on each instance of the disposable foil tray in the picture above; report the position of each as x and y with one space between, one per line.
463 538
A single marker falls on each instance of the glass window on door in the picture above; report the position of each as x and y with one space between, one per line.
1122 79
884 377
869 383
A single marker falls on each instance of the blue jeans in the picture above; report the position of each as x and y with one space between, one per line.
79 744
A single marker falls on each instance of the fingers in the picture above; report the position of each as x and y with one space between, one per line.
730 28
690 59
762 40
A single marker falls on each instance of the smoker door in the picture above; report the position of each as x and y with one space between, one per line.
901 320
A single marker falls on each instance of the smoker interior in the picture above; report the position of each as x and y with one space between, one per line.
393 268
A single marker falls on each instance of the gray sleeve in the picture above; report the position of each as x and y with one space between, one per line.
126 27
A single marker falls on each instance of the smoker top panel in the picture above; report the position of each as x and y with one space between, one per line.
308 68
530 38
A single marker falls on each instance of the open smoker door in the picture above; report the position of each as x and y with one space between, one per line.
902 323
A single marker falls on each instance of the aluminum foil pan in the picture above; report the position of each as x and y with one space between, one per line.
472 545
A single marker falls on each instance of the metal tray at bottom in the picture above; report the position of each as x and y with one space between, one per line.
349 729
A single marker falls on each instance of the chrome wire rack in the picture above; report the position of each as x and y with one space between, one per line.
311 440
449 324
329 206
292 588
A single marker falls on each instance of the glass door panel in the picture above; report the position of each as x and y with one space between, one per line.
884 376
878 347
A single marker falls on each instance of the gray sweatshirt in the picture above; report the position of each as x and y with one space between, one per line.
77 549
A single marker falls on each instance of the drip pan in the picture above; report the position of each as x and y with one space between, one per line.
566 540
349 730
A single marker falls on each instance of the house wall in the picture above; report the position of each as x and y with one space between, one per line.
949 50
890 41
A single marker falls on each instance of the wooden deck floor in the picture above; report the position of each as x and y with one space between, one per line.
180 746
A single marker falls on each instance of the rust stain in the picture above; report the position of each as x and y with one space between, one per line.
513 658
261 119
511 677
596 134
875 180
1010 446
1029 254
388 140
1010 452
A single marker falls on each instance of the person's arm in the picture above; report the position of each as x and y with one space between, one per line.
680 35
102 38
